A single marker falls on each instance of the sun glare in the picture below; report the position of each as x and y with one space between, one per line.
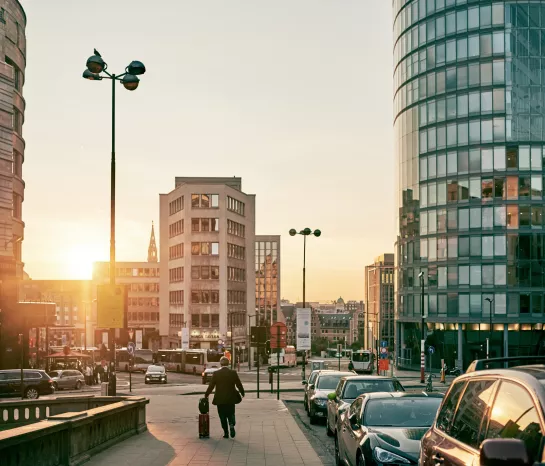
79 263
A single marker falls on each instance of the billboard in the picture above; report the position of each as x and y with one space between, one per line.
138 338
111 306
303 329
185 338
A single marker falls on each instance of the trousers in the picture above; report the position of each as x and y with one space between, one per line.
227 416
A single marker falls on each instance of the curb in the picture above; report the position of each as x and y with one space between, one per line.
282 390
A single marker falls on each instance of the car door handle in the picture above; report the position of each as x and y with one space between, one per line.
438 459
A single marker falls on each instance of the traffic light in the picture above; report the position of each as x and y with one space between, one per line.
268 346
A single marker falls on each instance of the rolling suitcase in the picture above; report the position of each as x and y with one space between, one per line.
204 418
204 425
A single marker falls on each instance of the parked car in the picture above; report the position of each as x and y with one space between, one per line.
207 374
155 374
384 428
490 417
325 383
35 383
68 378
350 388
307 383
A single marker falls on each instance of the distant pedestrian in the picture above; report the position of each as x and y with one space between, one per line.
95 374
350 366
226 382
89 375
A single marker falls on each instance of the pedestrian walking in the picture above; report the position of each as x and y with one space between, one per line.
226 382
89 375
95 373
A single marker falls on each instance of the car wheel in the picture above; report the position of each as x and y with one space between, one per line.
312 416
328 430
165 382
359 459
145 382
306 407
55 386
337 452
78 385
32 393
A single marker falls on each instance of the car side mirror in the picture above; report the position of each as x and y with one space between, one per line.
332 396
311 386
354 422
304 382
504 452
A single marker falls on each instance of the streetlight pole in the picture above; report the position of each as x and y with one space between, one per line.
306 232
423 333
489 339
250 341
95 66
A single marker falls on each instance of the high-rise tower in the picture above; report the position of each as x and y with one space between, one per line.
469 82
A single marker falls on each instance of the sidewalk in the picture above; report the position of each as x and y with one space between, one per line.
267 435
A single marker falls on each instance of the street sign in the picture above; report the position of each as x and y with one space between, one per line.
384 344
383 364
383 350
258 336
111 306
303 329
131 347
185 338
278 335
431 350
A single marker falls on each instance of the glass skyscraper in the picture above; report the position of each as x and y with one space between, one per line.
469 79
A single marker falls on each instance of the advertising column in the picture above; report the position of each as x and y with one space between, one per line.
303 342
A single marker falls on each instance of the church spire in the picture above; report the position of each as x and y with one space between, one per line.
152 249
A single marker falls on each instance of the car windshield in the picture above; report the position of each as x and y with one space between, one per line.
329 382
355 388
401 412
156 369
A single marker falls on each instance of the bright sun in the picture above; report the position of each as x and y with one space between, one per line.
79 262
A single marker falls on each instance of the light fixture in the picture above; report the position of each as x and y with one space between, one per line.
130 82
95 64
91 76
135 68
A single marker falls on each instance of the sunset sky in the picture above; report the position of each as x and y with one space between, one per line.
294 96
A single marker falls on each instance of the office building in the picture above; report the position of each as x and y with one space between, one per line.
207 242
267 279
379 302
470 133
143 306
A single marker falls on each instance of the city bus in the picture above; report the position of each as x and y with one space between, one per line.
191 361
143 358
288 358
171 359
363 361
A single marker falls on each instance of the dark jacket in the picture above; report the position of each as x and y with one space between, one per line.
226 382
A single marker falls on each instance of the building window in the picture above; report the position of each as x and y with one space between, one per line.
237 229
176 251
235 274
204 249
176 205
176 274
176 228
235 206
236 297
205 297
235 251
204 201
176 297
176 320
204 224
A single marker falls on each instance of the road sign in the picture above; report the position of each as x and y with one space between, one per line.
383 364
303 329
431 350
131 347
258 336
384 344
278 335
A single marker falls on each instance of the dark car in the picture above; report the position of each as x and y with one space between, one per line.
326 382
307 383
156 374
488 416
350 388
384 428
35 383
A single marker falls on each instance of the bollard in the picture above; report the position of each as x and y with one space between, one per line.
104 389
443 371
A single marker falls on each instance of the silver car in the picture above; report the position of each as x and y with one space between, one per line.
68 378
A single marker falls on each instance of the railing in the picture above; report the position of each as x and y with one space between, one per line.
71 438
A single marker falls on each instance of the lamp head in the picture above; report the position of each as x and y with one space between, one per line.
130 82
317 233
135 68
293 232
96 64
91 76
306 231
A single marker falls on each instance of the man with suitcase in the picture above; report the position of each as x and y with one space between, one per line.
226 382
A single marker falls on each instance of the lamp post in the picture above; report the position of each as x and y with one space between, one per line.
423 333
489 339
95 66
306 232
250 341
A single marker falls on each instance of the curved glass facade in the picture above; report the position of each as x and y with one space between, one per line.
469 84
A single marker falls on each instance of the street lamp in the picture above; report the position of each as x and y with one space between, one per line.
423 335
250 340
95 66
489 339
306 232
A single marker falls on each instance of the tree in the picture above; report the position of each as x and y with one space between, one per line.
319 344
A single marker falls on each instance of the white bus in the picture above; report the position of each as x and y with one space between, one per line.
288 358
191 361
143 358
363 361
171 359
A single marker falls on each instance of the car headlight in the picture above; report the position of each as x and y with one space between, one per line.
320 401
383 456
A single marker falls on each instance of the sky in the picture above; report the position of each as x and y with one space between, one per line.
293 96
